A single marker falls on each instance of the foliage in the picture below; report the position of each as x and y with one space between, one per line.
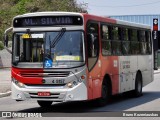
11 8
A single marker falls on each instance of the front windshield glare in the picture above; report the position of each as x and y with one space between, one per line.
53 47
68 47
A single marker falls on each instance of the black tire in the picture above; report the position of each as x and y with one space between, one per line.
45 104
138 85
105 95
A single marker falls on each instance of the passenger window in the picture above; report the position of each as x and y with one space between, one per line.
116 43
125 34
92 44
142 36
143 43
115 34
134 36
116 47
125 42
105 32
135 48
149 44
106 41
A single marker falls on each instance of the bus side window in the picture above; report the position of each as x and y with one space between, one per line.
92 44
125 42
143 44
106 40
116 42
135 48
149 44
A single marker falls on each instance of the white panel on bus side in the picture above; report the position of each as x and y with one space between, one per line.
125 82
127 70
145 65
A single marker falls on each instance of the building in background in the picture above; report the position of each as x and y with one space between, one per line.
143 19
148 20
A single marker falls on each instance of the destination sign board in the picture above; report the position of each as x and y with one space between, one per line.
47 21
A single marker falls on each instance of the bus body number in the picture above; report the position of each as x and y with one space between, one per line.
58 81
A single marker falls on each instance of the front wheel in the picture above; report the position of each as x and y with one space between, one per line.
105 95
45 104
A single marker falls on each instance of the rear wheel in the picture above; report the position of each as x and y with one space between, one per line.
138 85
45 104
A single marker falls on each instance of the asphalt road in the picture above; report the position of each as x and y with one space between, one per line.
150 101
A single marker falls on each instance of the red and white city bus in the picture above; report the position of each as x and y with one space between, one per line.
67 56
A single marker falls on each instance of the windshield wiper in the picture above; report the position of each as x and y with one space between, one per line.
58 37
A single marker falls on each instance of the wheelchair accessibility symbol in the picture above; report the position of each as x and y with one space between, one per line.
48 64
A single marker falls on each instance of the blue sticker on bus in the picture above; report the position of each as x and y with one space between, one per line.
48 63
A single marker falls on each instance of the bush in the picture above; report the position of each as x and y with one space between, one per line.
1 46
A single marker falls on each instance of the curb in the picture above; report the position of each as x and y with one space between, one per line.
156 72
5 94
4 67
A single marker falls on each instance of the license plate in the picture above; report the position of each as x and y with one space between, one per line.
44 94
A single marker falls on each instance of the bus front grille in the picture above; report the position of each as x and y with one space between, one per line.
45 74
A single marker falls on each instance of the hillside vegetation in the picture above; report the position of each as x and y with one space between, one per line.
11 8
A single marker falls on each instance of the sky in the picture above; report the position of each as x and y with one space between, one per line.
122 7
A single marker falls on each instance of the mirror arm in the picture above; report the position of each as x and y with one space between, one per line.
6 36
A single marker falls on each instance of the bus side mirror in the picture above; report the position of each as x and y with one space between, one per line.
6 39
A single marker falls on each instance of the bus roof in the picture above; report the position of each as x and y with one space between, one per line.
118 22
133 24
89 16
48 13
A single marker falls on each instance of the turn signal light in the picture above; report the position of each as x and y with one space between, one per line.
83 77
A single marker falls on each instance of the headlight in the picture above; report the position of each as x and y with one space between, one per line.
19 84
72 84
76 82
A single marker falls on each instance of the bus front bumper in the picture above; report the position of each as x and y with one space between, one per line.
77 93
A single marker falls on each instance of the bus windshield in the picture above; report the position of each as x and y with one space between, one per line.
52 49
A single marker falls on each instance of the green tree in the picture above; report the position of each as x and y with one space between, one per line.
11 8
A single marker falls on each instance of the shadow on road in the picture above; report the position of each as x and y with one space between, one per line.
69 107
119 103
